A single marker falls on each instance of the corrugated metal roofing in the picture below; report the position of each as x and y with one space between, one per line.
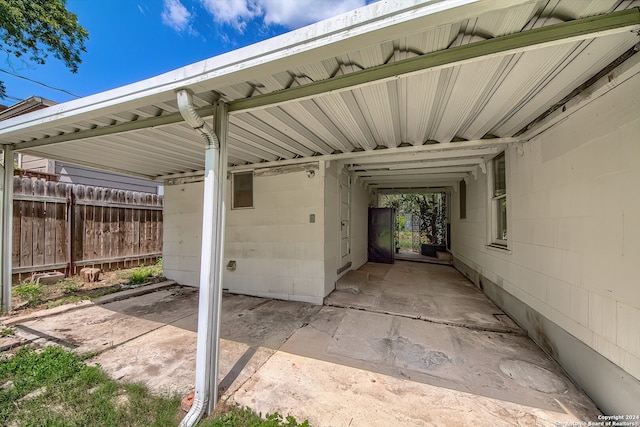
408 131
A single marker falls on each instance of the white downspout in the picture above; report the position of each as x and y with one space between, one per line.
210 299
6 227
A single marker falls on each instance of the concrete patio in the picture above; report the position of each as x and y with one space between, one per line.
418 346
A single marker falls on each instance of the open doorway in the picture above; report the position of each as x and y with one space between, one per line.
420 224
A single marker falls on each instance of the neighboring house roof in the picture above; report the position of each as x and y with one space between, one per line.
33 103
68 172
438 87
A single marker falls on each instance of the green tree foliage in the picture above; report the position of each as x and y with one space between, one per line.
30 30
428 207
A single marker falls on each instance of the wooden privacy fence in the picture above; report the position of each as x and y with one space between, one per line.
58 226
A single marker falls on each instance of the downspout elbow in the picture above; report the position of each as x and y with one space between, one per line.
195 413
189 114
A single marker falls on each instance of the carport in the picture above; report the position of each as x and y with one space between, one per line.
406 95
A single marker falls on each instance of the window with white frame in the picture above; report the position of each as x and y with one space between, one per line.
499 200
242 190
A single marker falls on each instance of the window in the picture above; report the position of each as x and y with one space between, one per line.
242 190
499 200
463 199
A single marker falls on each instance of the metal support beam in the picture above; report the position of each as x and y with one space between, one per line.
477 148
221 126
6 227
211 265
413 172
414 177
152 122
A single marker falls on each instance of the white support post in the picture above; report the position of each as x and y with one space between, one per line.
220 128
6 227
211 265
207 289
211 256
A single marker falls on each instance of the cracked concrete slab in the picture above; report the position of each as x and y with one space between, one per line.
497 367
446 359
330 394
433 292
91 329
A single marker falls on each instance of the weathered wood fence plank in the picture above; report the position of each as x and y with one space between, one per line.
61 225
96 226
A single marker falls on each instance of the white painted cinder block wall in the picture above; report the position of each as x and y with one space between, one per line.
182 232
277 249
279 252
574 226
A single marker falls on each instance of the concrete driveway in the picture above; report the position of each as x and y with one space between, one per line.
447 357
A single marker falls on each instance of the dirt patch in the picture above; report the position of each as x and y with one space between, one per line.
74 289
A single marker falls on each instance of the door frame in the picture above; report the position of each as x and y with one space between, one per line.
344 189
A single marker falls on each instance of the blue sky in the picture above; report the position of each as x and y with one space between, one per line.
132 40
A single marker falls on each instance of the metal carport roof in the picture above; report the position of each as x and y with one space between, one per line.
406 93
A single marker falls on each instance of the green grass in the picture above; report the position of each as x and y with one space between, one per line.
30 292
141 274
246 417
5 332
66 392
55 387
70 285
99 292
67 300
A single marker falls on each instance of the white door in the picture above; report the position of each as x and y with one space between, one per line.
345 214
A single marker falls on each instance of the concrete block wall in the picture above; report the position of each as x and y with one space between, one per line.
277 248
574 227
182 232
279 251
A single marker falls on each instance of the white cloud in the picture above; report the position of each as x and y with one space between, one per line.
296 13
288 13
233 12
175 15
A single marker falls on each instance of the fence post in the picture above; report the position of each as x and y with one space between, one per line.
70 203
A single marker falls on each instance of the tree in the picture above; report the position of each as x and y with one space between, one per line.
36 28
430 210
